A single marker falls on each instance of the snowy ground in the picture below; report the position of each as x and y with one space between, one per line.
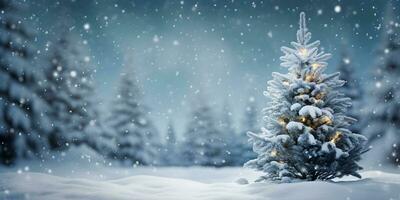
84 179
191 185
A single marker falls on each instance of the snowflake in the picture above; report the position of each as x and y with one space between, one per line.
86 26
338 9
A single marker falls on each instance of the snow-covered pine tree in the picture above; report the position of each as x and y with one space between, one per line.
305 134
228 135
351 89
244 149
22 123
384 117
170 151
202 143
138 142
69 92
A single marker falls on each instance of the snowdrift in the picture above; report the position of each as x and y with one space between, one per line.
30 185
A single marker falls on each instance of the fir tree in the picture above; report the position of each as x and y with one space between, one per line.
244 150
69 92
170 148
306 132
136 137
351 89
22 123
229 137
203 144
384 119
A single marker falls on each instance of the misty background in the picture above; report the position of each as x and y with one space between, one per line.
223 49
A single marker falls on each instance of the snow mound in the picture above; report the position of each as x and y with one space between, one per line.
375 185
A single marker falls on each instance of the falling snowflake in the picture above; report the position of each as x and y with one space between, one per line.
73 74
338 9
86 26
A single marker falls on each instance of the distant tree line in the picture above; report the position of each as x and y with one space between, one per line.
48 104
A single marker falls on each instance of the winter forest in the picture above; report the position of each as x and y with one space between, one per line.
165 99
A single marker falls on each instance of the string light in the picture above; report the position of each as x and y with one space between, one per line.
273 153
309 78
303 119
315 65
326 120
336 137
282 121
303 52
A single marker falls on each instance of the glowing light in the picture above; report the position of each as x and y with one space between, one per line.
309 78
273 153
303 52
315 65
303 119
326 120
336 137
282 121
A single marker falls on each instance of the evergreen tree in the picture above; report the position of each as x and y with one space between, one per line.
203 144
170 151
229 137
69 92
306 132
22 123
136 137
351 89
244 149
384 119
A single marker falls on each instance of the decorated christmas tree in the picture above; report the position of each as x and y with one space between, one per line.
306 133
